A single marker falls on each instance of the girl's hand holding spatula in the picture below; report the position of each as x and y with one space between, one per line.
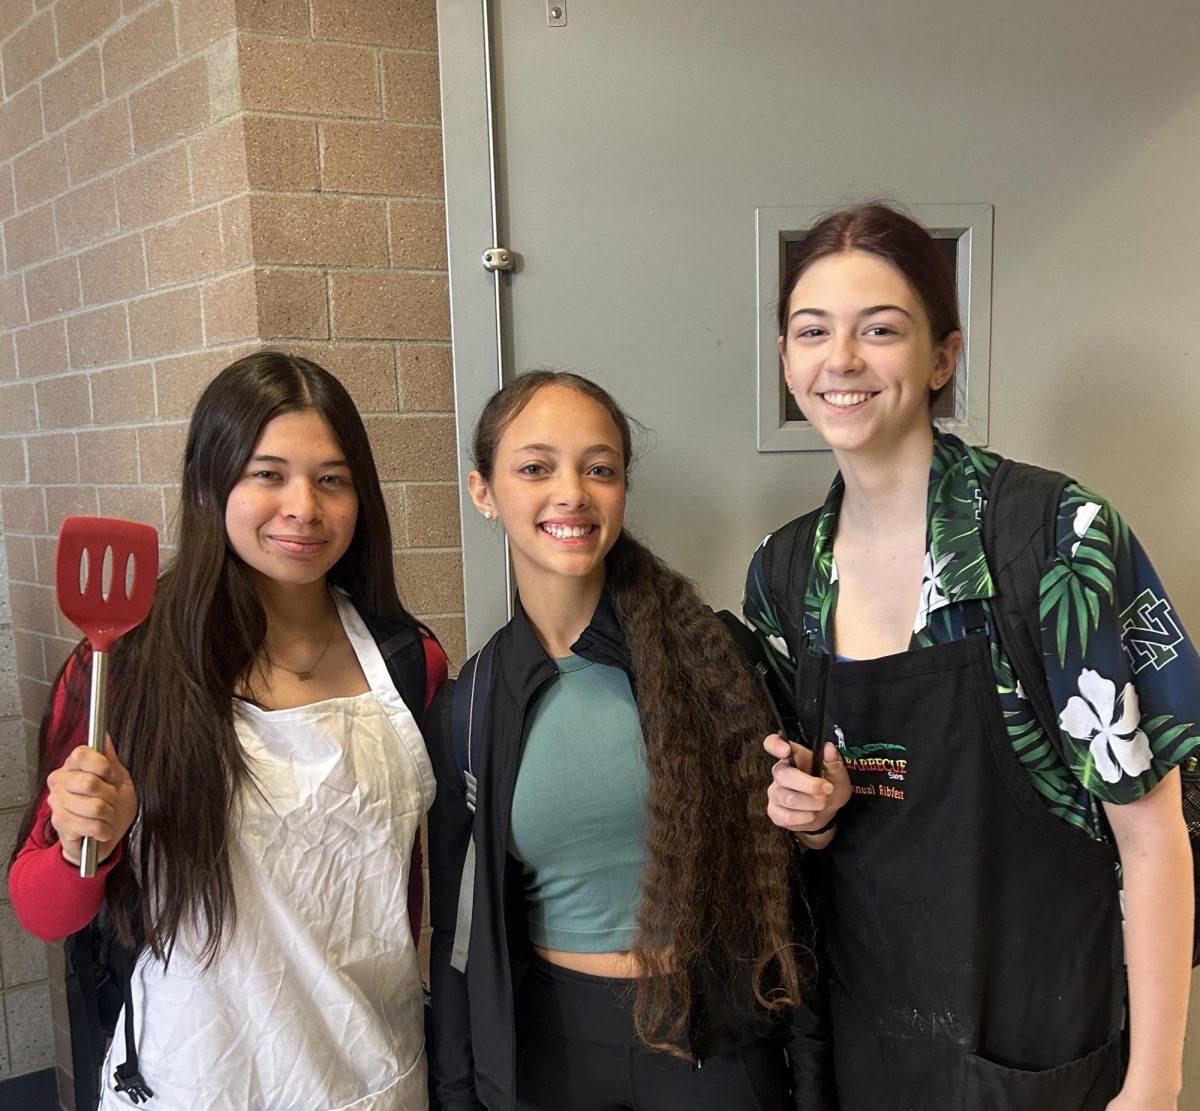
91 795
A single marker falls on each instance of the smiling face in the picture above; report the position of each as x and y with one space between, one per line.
859 354
291 515
558 487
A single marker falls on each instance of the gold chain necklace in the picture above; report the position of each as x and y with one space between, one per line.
307 673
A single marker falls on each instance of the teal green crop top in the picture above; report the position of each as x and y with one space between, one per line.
579 810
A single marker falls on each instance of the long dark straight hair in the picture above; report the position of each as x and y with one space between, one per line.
716 890
176 676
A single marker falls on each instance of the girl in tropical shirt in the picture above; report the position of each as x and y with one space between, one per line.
258 801
970 889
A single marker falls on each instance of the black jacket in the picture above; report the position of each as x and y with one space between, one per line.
473 1056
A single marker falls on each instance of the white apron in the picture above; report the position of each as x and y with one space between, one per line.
315 1001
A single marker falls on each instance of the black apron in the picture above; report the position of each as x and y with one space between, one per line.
974 939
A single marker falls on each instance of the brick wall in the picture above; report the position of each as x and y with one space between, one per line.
180 182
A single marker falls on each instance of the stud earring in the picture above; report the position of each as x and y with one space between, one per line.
487 514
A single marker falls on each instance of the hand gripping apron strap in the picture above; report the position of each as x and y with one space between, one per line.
470 702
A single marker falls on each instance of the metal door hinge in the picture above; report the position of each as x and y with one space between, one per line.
497 258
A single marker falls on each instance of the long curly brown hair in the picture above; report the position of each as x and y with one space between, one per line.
717 888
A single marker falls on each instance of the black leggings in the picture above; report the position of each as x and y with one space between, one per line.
579 1052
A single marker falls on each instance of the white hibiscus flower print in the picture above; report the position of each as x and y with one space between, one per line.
779 644
1110 723
1084 516
932 597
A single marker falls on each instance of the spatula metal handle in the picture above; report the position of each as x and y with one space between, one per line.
97 711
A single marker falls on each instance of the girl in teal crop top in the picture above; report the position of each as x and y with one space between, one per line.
637 814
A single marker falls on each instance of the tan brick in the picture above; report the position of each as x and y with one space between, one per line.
53 458
133 503
180 380
224 79
22 562
414 449
408 23
281 153
204 23
452 635
100 142
20 121
98 338
166 322
184 250
8 358
12 301
109 457
8 199
172 106
31 661
41 173
319 78
219 162
411 89
24 509
33 608
390 305
29 238
237 239
366 370
321 230
389 158
145 46
64 402
86 214
29 53
82 21
113 271
12 468
160 452
279 17
53 288
393 500
432 516
417 235
123 395
72 89
69 501
292 303
230 308
12 14
431 582
155 188
57 650
45 549
42 349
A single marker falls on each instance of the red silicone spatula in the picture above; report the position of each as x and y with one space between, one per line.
104 573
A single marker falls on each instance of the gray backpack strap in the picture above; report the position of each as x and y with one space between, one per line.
469 706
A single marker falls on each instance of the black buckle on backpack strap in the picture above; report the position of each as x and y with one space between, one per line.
130 1082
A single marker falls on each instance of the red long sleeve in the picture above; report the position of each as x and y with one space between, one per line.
50 898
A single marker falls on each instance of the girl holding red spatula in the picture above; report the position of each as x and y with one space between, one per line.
257 805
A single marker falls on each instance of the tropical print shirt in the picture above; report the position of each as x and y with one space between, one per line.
1122 674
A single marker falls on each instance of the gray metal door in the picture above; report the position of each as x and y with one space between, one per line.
635 143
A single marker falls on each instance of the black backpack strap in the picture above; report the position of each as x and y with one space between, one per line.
128 1078
83 1010
786 560
467 715
1019 532
403 650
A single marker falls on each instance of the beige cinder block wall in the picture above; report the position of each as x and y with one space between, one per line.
180 182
